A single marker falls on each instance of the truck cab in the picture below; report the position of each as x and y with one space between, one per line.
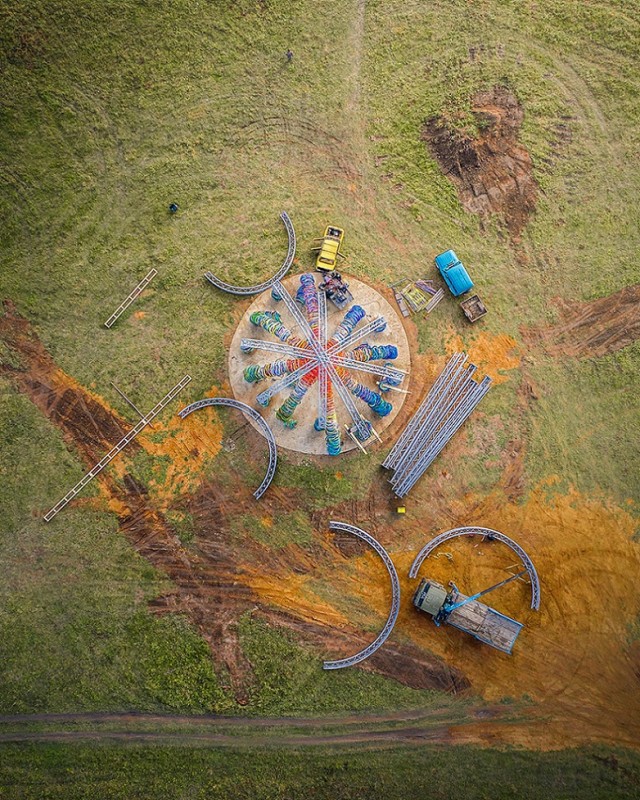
467 614
329 250
455 275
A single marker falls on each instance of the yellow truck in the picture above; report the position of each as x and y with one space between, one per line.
329 249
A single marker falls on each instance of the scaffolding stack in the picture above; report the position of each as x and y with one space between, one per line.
447 406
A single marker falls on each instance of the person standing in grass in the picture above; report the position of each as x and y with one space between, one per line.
289 56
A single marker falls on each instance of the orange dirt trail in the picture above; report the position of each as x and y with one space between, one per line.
572 661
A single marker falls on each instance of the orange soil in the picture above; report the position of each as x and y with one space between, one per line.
189 443
493 354
572 659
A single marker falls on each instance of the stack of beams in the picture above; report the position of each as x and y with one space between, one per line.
444 410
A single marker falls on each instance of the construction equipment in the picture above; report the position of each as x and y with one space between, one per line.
467 614
329 250
473 308
336 289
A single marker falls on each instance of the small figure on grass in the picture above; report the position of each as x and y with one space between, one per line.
289 56
173 208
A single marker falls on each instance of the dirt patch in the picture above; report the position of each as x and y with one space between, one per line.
493 171
222 573
591 329
573 659
493 354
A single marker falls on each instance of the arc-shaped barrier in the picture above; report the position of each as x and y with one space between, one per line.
488 532
260 287
250 412
395 602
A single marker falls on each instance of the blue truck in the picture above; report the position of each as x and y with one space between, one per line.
455 275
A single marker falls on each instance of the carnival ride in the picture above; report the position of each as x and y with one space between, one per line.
325 361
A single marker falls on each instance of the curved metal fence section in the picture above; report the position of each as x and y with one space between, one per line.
250 412
260 287
489 532
395 603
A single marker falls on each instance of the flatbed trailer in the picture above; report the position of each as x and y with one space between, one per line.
467 614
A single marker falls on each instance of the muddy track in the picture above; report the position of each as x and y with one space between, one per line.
591 329
220 576
379 730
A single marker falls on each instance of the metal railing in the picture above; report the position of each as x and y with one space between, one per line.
490 534
260 287
253 414
395 598
134 294
116 449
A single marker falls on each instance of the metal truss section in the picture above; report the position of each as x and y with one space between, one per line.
395 602
427 404
372 369
247 345
229 402
117 449
264 398
428 452
260 287
490 534
447 406
323 392
375 326
132 296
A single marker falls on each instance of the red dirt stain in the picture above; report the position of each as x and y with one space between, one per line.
493 354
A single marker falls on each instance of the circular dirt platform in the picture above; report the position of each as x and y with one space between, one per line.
304 438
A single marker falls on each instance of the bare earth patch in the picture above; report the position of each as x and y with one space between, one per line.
222 573
575 664
591 329
492 172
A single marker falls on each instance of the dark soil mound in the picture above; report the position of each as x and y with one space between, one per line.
492 172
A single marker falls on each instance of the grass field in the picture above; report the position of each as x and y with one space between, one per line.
55 771
111 110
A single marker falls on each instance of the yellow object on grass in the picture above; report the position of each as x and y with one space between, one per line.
330 248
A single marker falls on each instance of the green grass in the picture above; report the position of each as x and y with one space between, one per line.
329 483
153 773
110 111
288 680
75 631
584 425
290 528
419 65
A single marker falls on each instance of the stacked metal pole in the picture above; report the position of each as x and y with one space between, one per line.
444 410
